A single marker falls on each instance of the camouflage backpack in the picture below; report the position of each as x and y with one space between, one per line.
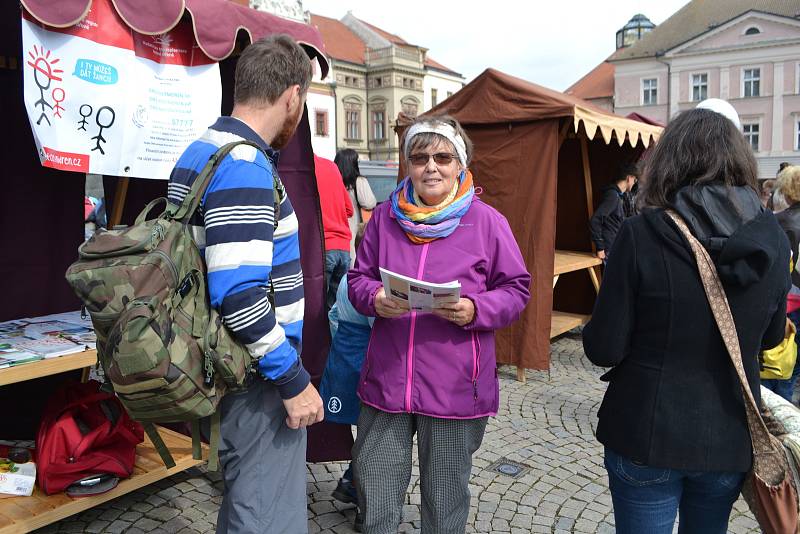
163 348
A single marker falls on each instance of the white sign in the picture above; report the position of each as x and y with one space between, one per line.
104 99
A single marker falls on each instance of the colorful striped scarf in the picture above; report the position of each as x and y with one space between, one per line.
423 224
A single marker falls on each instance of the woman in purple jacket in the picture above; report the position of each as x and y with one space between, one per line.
433 374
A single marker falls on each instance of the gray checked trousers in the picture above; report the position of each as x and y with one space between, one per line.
382 454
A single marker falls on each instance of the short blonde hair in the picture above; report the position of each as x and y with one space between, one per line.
789 183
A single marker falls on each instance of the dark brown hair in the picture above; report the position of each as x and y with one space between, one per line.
699 146
347 161
268 67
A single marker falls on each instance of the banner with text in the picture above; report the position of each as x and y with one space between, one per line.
104 99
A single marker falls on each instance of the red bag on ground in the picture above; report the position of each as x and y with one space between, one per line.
85 439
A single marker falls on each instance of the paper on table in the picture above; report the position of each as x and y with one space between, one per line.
418 294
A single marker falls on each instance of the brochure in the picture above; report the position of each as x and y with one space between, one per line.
27 340
418 294
10 357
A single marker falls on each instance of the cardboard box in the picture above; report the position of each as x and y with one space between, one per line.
17 479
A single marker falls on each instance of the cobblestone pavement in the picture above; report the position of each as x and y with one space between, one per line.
546 424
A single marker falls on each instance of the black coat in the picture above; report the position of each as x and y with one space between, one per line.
607 218
673 399
789 219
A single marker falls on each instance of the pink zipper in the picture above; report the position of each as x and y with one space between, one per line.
410 354
475 366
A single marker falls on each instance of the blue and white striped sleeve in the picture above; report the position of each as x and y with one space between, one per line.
238 216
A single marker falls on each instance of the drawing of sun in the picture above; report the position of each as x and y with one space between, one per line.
44 65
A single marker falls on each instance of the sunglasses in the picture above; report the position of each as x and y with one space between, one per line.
440 158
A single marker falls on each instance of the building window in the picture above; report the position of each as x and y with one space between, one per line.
434 97
649 92
352 120
752 30
752 82
379 124
751 133
797 133
699 87
321 123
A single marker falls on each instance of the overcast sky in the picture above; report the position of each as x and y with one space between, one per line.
552 42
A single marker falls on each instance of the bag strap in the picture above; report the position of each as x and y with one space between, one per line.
213 441
720 308
159 445
195 195
355 190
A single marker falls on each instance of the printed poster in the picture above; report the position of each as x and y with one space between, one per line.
104 99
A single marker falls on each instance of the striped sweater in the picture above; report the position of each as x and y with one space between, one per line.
234 227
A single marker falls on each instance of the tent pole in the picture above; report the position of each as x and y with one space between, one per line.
587 182
521 375
119 202
587 176
562 134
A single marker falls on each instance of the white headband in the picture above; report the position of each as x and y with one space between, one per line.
443 129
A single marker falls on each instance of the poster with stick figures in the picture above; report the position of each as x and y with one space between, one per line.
104 99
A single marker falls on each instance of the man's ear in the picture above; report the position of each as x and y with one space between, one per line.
293 99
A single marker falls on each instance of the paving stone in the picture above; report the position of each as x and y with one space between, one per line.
547 424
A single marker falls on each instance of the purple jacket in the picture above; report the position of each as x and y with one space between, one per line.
420 363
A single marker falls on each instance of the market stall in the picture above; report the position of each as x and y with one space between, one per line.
41 206
541 158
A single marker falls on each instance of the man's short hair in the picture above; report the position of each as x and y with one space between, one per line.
268 67
626 169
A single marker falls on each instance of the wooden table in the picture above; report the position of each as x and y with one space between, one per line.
24 514
567 261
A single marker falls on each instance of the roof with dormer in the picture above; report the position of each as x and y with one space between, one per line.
343 44
696 18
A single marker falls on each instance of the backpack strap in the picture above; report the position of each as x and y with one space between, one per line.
195 195
213 442
158 443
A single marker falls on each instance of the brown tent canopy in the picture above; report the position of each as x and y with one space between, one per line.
535 152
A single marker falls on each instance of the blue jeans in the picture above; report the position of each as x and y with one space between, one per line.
337 262
785 388
647 499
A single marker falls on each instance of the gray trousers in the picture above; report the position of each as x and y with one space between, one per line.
263 465
382 459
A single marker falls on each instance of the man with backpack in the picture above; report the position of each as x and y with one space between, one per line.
249 233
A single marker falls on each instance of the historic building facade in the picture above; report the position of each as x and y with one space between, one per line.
745 52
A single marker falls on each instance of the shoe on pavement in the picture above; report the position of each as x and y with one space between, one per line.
358 522
345 492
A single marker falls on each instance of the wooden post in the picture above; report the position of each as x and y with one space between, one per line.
119 202
562 134
595 278
587 177
521 375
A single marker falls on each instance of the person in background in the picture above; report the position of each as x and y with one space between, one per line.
629 198
350 333
787 187
262 446
431 374
360 192
672 420
610 213
767 188
336 209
